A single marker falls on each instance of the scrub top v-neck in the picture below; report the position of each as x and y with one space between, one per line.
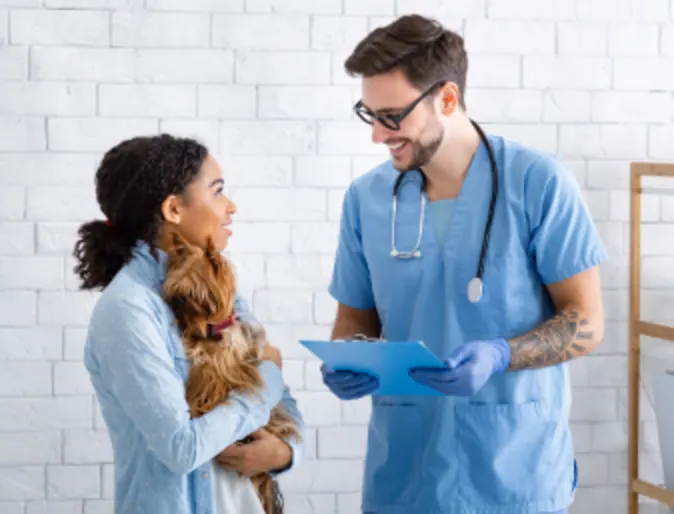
440 212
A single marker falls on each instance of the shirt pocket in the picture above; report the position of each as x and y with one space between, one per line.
510 453
395 452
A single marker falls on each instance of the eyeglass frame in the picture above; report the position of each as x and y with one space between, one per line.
394 119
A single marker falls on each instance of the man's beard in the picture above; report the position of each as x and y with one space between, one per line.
422 153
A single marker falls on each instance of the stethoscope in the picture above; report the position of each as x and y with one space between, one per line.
475 286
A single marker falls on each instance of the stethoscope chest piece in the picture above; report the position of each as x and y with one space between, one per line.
474 290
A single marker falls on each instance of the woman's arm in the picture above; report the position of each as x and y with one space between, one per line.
130 361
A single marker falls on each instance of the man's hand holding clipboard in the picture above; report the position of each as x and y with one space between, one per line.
359 367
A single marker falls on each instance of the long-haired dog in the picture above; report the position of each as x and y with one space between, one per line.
224 352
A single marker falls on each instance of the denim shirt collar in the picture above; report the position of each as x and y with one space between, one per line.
152 266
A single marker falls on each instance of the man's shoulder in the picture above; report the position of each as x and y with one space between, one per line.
523 157
382 167
529 168
375 179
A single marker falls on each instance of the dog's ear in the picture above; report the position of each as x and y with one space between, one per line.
178 245
182 308
227 280
174 244
212 254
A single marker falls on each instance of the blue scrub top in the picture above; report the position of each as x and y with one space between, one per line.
440 212
508 449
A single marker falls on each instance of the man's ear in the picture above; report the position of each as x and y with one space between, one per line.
449 98
171 209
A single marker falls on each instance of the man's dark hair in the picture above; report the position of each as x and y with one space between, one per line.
421 48
132 181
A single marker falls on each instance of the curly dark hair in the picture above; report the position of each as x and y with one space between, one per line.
132 181
420 47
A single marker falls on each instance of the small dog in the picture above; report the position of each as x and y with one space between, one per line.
223 352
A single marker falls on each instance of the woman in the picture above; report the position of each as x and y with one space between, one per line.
163 459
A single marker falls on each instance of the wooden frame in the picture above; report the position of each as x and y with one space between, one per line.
638 328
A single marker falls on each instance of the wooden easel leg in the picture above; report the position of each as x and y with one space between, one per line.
633 417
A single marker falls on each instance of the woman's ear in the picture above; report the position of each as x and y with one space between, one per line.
170 209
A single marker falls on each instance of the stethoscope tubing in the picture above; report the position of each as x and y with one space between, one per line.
490 216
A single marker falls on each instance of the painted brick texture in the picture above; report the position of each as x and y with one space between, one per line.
261 82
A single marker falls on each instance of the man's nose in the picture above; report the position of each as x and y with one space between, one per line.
379 132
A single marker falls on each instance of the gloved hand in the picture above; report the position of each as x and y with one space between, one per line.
348 385
468 368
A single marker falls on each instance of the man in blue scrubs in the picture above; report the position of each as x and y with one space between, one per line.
496 440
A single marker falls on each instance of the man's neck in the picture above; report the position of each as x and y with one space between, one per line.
448 168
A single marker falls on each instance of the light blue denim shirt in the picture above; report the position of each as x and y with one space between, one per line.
134 356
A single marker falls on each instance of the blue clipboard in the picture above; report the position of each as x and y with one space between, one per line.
390 361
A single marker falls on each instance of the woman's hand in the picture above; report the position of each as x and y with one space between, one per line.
265 453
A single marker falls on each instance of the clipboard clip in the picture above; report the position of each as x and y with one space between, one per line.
363 337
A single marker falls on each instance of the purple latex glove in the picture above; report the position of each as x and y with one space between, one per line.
468 368
348 385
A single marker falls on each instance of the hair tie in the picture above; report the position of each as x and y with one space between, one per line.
108 223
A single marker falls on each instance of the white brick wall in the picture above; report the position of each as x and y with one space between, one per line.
261 82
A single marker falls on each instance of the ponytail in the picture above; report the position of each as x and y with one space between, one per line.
101 251
132 180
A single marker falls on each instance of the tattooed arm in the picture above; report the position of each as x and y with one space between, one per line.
576 330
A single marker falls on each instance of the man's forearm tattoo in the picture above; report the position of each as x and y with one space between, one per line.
563 337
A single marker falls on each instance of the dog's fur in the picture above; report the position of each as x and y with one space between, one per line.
200 287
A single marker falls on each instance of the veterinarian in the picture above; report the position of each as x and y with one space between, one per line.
482 248
163 460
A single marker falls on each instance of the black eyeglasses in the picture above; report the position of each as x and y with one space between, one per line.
391 121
